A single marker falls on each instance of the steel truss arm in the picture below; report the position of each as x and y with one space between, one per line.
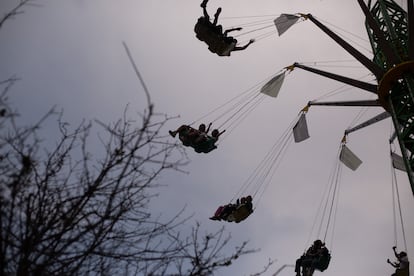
371 66
369 122
392 58
356 83
348 103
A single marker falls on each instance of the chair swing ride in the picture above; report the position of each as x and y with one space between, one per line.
391 32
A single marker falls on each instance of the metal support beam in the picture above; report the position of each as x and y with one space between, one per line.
371 66
369 122
390 55
348 103
402 146
356 83
410 8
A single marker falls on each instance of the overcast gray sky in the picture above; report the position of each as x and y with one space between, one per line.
69 53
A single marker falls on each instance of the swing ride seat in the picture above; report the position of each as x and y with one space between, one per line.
213 36
308 271
220 45
184 134
224 213
206 146
206 31
232 212
322 262
241 213
315 258
401 272
223 48
200 141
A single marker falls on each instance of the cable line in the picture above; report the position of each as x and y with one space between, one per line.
224 104
338 90
239 110
328 205
250 16
242 117
236 109
350 33
255 30
397 205
334 197
259 180
238 210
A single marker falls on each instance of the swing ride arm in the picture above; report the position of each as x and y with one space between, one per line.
373 67
356 83
366 103
347 103
369 122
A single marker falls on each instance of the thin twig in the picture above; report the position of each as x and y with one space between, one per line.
138 74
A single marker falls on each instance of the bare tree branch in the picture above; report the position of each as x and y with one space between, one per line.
18 9
63 211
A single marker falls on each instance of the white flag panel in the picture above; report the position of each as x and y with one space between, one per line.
397 162
300 130
349 159
272 87
284 22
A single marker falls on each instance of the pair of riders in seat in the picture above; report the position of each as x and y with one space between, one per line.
212 34
199 139
316 257
235 212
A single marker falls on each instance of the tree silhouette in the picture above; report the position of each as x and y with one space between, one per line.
63 212
68 210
